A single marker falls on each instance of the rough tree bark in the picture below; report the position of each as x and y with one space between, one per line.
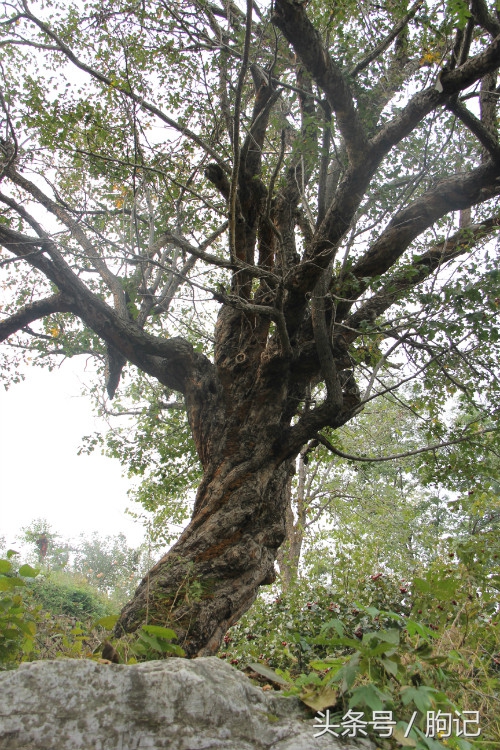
289 315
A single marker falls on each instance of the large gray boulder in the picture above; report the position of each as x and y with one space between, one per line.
177 704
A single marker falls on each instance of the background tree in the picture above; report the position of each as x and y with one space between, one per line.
110 564
48 550
302 168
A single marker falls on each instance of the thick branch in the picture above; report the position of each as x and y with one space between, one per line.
265 97
36 310
448 84
452 194
291 18
484 18
171 361
396 287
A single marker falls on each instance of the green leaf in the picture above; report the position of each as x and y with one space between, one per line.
416 628
421 585
329 663
369 696
390 666
429 742
390 636
420 696
10 583
28 572
27 627
335 624
159 631
5 566
173 648
151 641
350 672
108 623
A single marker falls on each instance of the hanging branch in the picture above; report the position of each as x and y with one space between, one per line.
379 459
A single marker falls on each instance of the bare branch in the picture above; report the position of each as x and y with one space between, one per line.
169 360
76 230
385 43
486 137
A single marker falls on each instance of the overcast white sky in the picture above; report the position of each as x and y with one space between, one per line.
42 422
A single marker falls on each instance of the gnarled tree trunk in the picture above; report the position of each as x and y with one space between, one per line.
211 576
239 411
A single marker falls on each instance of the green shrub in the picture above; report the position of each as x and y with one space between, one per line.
17 624
64 594
436 649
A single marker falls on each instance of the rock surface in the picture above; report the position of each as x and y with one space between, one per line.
177 704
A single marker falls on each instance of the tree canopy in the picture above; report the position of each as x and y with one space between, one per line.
276 214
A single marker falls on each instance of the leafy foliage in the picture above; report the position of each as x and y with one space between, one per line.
151 642
17 626
47 548
430 654
110 564
64 594
157 450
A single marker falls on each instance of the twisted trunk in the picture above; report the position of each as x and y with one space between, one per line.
239 414
212 575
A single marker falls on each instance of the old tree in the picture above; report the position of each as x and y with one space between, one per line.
317 179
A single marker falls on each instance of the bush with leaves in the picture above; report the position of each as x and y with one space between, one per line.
395 669
428 645
69 594
17 624
278 629
150 642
